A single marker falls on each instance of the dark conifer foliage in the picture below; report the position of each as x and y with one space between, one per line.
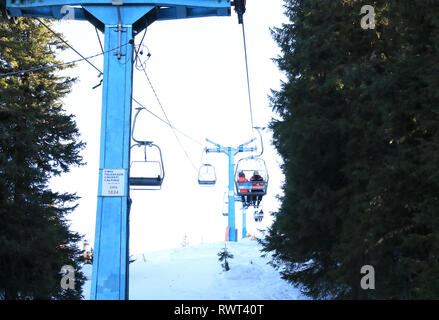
223 255
38 140
359 136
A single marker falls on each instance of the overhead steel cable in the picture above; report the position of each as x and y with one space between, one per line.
87 59
240 10
167 123
248 77
167 119
99 39
67 44
140 45
57 65
101 73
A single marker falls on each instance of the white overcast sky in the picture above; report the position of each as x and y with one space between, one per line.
198 71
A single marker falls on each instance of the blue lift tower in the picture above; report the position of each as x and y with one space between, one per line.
231 152
120 21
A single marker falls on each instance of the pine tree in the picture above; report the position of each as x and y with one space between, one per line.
223 255
358 135
38 140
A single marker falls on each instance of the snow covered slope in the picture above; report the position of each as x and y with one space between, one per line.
194 273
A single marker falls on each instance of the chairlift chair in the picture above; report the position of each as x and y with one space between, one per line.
261 215
146 174
256 215
207 175
251 191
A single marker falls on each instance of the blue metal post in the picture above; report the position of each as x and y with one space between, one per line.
231 216
233 232
244 222
111 252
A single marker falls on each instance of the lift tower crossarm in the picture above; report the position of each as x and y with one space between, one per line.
91 10
219 148
163 3
242 149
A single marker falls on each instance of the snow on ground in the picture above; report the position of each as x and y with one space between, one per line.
194 273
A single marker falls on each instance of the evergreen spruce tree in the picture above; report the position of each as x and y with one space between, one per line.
38 140
358 134
223 255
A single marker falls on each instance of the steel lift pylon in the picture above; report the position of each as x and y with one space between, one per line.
120 21
231 152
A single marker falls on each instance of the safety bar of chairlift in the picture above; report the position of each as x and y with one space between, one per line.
251 189
206 182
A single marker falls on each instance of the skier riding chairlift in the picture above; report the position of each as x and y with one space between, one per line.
257 187
258 216
244 198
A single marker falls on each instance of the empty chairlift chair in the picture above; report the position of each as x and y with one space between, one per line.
148 172
207 175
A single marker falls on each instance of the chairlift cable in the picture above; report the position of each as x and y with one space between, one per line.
57 65
240 10
140 45
167 119
101 73
83 58
87 59
248 77
99 39
165 122
67 44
